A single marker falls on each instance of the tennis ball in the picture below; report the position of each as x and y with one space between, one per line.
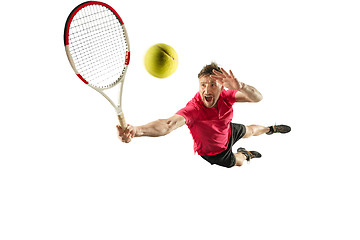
161 60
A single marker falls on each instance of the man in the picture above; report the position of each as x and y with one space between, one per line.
208 116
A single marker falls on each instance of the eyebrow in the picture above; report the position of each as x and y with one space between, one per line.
212 81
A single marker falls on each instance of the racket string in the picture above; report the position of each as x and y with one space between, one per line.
86 52
108 52
81 28
98 45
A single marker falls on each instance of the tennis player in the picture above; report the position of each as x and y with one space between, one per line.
208 116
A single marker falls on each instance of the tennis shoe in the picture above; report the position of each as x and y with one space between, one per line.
279 129
249 154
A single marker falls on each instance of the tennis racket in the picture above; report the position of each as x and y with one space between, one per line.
97 46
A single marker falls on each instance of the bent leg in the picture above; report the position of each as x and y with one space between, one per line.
255 130
240 158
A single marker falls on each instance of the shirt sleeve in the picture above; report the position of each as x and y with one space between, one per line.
230 96
188 113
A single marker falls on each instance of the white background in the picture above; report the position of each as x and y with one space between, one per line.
65 175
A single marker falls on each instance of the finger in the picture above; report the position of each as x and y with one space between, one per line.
220 82
119 128
231 73
217 73
127 134
225 73
126 140
127 129
132 132
216 77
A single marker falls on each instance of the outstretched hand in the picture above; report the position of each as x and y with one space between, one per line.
127 134
227 79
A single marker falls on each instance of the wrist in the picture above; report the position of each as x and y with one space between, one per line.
138 131
241 86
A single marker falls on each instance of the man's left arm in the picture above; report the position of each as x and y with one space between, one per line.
246 93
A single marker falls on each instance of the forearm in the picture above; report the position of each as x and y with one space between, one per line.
251 93
156 128
152 129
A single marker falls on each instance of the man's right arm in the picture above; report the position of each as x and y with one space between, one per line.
157 128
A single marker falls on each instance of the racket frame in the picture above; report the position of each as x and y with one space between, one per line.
120 80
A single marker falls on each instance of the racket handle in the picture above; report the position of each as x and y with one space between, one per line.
122 122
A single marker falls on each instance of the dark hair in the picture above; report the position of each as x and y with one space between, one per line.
208 70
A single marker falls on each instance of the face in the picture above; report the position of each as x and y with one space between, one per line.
209 91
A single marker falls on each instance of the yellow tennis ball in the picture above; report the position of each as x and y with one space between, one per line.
161 60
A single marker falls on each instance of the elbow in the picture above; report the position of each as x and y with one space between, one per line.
163 128
255 95
165 131
168 126
259 98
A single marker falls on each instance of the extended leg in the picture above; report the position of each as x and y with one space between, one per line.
255 130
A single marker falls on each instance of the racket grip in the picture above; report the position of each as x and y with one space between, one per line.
122 121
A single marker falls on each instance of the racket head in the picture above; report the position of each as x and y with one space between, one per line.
97 44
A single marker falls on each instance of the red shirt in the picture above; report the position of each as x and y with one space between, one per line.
210 127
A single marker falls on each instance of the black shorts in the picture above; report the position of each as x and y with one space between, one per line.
227 158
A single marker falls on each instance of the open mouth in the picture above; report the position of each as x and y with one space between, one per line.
208 99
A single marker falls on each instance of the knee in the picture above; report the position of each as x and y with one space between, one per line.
238 163
239 159
249 131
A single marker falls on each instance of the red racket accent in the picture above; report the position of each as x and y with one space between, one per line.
127 58
98 50
96 41
82 79
81 6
